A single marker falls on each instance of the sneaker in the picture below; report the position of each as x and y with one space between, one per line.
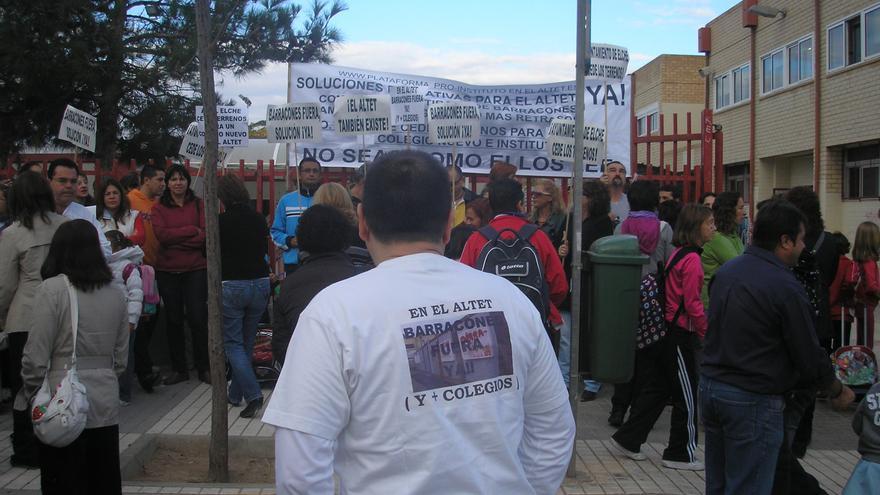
176 378
252 408
616 417
636 456
683 465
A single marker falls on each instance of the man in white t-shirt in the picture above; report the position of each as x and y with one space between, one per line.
421 375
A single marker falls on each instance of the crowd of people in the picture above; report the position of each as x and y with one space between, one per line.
751 310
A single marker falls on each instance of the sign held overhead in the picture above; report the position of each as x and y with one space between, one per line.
193 145
361 115
407 105
78 128
453 122
294 122
232 125
608 62
560 141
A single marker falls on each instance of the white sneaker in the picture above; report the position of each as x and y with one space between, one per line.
636 456
684 466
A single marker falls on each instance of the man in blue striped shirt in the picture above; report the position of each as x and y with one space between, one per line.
291 207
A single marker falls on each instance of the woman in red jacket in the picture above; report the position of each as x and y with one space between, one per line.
181 272
865 253
669 367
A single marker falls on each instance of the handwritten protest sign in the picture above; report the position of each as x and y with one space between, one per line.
294 122
608 62
407 105
79 128
232 125
513 119
453 122
360 115
193 145
561 141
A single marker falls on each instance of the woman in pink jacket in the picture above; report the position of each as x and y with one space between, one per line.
668 369
865 253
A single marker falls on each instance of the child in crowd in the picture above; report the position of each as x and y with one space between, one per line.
865 253
129 281
865 477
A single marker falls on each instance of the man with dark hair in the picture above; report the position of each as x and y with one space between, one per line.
289 209
63 174
506 198
388 370
461 195
356 185
614 176
760 346
143 199
323 234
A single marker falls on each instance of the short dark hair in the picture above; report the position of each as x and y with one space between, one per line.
166 194
130 181
688 226
309 160
613 162
674 189
643 195
76 252
842 243
28 165
725 211
30 196
323 229
804 199
706 195
598 199
777 217
124 205
117 240
668 211
504 195
61 162
482 208
407 197
231 190
148 172
501 170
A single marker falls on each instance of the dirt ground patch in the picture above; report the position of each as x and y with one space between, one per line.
189 464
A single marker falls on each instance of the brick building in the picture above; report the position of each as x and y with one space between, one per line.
796 90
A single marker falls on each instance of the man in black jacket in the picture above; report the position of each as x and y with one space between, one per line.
324 234
761 344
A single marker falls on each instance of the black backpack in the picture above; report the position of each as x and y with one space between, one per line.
652 298
517 260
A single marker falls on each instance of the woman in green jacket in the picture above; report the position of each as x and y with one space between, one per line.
726 244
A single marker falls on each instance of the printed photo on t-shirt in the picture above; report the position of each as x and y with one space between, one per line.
458 350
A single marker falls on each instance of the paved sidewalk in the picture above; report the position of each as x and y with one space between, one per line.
184 409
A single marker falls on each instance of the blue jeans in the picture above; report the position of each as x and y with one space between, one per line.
243 304
744 432
565 354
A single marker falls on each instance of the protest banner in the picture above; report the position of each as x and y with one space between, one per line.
608 62
407 105
453 122
294 122
360 115
79 128
232 125
192 147
513 119
560 141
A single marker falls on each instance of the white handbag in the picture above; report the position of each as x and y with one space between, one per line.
60 418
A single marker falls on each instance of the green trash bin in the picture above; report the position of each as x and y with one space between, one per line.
613 305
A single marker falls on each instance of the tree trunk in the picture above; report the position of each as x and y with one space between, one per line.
218 456
108 113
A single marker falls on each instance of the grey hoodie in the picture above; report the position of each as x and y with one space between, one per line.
866 423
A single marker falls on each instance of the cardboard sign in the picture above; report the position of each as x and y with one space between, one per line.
293 122
608 62
232 125
360 115
560 141
78 128
453 122
407 105
193 145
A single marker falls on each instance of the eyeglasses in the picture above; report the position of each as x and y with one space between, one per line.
539 193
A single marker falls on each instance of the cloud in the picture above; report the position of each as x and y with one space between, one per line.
682 12
470 65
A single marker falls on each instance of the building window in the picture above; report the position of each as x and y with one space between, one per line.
732 87
861 173
736 179
642 123
854 39
800 60
773 69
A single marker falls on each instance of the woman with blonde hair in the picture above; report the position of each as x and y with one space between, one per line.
548 212
336 196
865 253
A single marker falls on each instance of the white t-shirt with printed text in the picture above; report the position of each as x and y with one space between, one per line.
422 370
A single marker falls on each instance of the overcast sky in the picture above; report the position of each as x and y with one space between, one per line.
489 41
